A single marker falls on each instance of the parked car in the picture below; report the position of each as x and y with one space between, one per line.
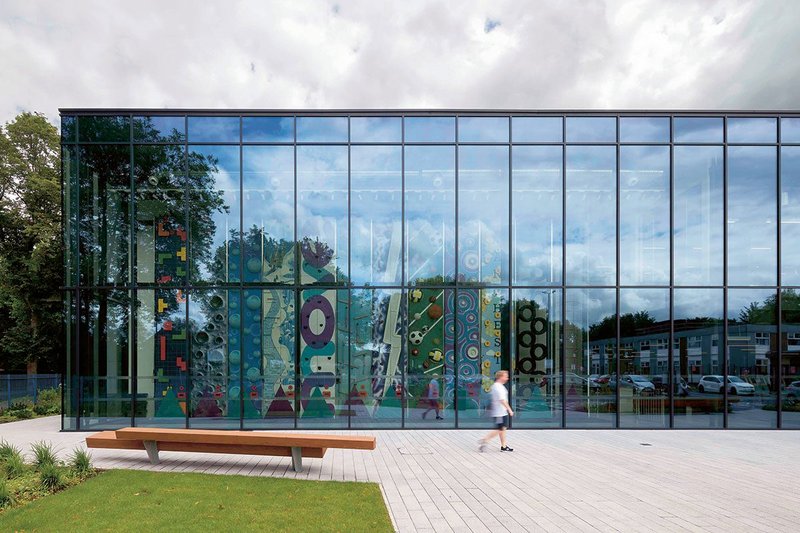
575 381
735 384
639 384
792 390
599 379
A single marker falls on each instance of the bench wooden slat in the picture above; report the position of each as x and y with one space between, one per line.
239 438
108 440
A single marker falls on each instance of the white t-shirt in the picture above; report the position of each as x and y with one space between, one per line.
499 393
433 389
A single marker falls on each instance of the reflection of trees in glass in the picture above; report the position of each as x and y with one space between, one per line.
630 325
765 312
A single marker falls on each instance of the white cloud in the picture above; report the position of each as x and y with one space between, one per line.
364 54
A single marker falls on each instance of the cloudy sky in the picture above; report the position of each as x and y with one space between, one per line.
410 54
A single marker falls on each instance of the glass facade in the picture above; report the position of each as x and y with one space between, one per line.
261 270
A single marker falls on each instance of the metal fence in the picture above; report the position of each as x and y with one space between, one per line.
16 386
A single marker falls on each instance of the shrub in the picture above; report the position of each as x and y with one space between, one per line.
6 498
22 414
48 402
43 454
14 466
81 462
7 450
50 477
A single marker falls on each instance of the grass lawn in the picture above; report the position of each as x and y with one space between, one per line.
130 500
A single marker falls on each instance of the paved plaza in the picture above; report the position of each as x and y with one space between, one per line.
554 480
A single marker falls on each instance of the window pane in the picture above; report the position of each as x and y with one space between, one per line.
698 215
752 364
790 215
482 348
790 358
590 340
104 237
214 230
322 129
213 129
697 129
71 198
105 360
268 180
483 214
323 359
643 358
376 215
376 129
268 129
696 352
161 358
159 128
537 129
68 129
72 377
483 129
104 129
537 210
269 347
752 232
644 129
430 129
430 379
536 376
377 358
160 189
215 380
790 130
322 213
430 188
752 130
591 129
644 219
591 238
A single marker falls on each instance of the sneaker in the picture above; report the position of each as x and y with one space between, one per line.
439 418
424 415
506 449
481 446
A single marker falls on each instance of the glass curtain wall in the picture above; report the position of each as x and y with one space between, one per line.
375 270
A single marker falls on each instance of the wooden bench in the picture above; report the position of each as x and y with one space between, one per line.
294 445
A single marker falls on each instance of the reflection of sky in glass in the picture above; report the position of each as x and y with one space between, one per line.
537 129
644 221
752 130
376 129
268 180
697 129
483 129
322 198
430 211
322 129
591 129
268 129
689 304
698 217
213 129
376 229
537 220
166 128
430 129
654 302
790 215
740 300
483 213
225 221
591 215
644 129
790 130
752 231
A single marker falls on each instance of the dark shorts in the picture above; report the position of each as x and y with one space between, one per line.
501 422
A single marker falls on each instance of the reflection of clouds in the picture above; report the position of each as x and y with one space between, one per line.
694 303
376 129
267 129
213 129
483 129
591 129
698 129
740 299
321 129
752 232
536 129
790 213
430 129
653 301
585 307
644 129
752 129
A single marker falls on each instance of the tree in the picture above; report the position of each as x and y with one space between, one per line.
30 244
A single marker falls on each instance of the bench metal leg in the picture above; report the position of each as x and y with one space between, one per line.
297 459
152 451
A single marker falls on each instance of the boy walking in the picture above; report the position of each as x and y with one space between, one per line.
500 411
